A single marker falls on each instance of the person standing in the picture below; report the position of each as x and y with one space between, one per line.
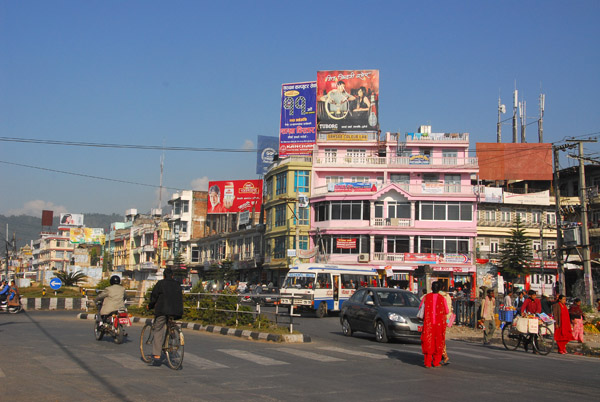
508 299
562 324
577 317
546 305
449 316
167 300
433 337
488 307
518 303
531 306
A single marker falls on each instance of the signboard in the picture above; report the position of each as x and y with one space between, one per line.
348 100
298 125
234 196
425 258
492 194
542 283
76 235
71 220
265 152
540 198
358 187
347 137
244 218
454 258
418 160
55 283
432 188
345 243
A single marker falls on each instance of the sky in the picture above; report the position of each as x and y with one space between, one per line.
209 74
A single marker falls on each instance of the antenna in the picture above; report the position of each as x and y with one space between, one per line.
501 111
515 105
541 119
523 115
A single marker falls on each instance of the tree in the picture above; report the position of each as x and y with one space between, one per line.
516 253
94 258
107 262
71 278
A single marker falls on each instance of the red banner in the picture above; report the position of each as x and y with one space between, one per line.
345 243
234 196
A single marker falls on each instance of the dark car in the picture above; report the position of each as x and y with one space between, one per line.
388 313
265 296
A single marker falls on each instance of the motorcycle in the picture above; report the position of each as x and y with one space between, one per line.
113 325
13 309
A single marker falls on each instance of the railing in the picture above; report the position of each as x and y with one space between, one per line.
388 257
394 222
466 312
393 161
420 188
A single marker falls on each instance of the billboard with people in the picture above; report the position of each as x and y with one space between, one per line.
234 196
348 100
71 219
298 127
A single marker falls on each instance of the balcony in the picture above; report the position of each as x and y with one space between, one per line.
392 222
388 257
413 189
413 161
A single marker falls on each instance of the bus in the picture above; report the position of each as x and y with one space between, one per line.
323 287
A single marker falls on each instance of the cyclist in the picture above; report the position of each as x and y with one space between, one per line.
166 300
531 306
112 298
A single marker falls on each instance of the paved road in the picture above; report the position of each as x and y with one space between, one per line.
50 356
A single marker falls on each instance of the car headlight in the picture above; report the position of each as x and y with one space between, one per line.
396 317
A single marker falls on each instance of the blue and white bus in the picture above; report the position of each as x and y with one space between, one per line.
324 287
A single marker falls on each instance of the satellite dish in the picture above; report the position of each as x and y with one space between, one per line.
502 109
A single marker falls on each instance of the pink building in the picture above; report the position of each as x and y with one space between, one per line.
396 203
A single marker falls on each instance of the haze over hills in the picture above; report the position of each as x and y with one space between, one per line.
27 228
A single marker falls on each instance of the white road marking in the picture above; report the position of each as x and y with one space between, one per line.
310 355
200 362
354 352
252 357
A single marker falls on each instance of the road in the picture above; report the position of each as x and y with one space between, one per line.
52 356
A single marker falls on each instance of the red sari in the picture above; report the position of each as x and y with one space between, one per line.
433 337
562 327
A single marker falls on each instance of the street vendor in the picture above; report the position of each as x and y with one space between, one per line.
532 305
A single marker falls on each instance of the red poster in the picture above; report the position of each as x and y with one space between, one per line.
346 243
234 196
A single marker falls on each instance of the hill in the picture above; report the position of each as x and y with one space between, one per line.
27 228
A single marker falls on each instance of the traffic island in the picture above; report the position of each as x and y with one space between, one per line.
216 329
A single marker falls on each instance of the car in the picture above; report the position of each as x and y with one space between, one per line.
386 312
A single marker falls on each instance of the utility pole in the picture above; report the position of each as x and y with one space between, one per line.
501 111
541 119
523 115
585 238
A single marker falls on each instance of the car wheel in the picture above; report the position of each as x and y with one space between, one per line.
380 332
346 328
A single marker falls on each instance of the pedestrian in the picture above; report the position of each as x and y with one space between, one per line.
577 317
508 299
518 303
546 305
531 306
562 324
433 336
449 318
488 307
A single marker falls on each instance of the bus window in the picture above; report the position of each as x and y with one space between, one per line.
350 281
323 281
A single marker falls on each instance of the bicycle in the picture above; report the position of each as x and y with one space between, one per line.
173 345
542 342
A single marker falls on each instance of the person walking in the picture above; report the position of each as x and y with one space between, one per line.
562 324
449 317
488 307
577 318
433 337
167 300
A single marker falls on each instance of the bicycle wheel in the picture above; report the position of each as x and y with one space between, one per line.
146 339
545 342
174 347
511 338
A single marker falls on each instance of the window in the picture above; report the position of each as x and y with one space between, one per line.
301 181
378 209
449 156
356 155
303 216
185 206
446 211
490 216
452 183
425 152
281 183
443 245
521 214
505 215
536 245
342 210
494 246
195 254
303 242
402 178
360 179
398 244
280 248
551 218
269 218
184 227
269 188
330 155
431 178
177 208
333 179
398 209
329 242
280 217
536 216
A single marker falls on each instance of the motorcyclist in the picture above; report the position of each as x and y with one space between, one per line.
112 298
4 291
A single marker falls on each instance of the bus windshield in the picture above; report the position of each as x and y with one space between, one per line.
299 280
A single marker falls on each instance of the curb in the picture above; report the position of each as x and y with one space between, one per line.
53 303
215 329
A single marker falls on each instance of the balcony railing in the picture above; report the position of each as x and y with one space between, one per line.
395 161
388 257
420 188
394 222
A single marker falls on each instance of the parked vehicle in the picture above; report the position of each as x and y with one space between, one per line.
322 287
112 325
387 313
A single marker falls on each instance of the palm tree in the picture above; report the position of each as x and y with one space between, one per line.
71 278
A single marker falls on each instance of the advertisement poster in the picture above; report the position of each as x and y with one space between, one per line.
71 220
265 151
298 127
234 196
352 187
348 100
346 243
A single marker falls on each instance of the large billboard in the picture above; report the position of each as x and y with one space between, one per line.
348 100
298 127
266 150
71 220
514 161
234 196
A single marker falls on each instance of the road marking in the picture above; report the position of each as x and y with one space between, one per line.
252 357
129 362
311 355
354 352
60 364
200 362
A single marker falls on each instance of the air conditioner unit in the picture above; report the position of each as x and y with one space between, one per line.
363 258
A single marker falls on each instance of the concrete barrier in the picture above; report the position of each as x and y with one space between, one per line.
53 303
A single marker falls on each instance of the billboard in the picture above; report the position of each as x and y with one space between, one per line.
513 161
234 196
71 220
266 150
87 235
298 126
47 217
348 100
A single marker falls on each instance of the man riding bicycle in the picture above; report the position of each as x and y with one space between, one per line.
166 300
531 306
112 298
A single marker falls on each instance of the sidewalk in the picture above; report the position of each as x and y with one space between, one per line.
591 346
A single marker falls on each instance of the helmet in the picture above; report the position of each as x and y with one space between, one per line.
115 280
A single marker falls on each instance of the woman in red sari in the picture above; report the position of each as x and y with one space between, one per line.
433 337
562 324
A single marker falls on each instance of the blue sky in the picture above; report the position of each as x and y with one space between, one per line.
209 74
